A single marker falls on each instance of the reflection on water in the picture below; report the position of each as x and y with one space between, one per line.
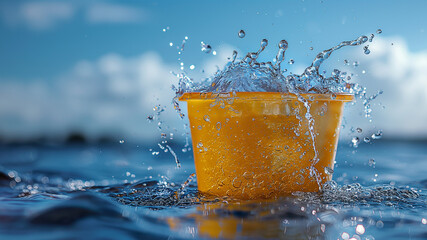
124 192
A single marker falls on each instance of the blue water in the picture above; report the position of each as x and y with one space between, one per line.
122 191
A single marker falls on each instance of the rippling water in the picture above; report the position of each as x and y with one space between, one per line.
122 191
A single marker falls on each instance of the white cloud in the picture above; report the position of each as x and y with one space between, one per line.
402 75
43 15
38 15
112 95
113 13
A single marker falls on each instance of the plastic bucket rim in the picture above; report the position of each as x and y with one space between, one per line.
263 96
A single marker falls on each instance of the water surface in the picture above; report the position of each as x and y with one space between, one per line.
122 191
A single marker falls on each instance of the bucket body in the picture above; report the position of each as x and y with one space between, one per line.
255 145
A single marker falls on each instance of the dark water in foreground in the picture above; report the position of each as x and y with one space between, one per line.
122 191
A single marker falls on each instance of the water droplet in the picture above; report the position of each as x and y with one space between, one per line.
283 44
355 142
218 126
424 221
345 236
122 141
380 224
356 64
367 140
371 162
192 67
206 48
237 182
371 37
264 43
311 48
206 118
241 34
150 118
299 179
377 135
329 170
361 39
360 229
379 31
336 72
322 227
359 130
291 61
171 44
366 49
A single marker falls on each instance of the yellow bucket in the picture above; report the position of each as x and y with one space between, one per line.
258 145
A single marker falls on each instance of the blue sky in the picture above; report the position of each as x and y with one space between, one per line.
29 50
49 46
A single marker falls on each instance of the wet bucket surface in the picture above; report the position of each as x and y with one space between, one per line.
254 145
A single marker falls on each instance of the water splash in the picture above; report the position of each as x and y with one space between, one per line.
178 163
180 191
249 75
356 193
